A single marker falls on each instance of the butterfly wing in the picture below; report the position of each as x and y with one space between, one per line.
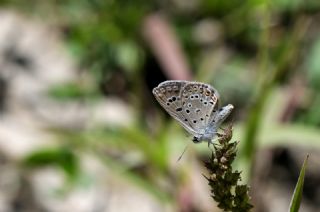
199 104
168 94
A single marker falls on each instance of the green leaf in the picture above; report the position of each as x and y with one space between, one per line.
71 91
62 157
297 194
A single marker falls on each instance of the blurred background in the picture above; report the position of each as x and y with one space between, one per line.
81 131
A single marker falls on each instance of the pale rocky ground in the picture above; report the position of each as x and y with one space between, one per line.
32 59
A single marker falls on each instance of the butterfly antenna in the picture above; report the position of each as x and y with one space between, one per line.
182 153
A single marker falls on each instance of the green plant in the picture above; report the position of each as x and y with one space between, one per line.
297 194
223 181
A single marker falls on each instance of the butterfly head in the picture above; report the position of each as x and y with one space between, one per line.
207 136
196 140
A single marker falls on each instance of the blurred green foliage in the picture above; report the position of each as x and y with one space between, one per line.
61 157
73 91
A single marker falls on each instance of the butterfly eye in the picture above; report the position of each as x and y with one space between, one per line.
195 140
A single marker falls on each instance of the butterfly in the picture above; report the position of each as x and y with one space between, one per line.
195 106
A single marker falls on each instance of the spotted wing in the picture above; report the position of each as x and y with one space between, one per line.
168 94
199 104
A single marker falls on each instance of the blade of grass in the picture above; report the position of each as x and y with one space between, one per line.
297 194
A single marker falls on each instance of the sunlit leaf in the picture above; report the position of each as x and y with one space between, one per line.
297 194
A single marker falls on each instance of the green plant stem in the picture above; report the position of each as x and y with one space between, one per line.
287 55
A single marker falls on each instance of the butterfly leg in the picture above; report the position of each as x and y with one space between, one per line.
211 145
220 134
210 141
